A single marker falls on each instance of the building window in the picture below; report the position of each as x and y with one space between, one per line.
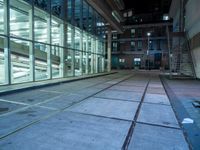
132 32
158 44
166 17
151 45
114 36
122 60
132 45
139 45
130 13
77 12
125 14
139 32
114 46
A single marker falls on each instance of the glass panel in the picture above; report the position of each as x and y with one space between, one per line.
139 32
1 17
20 62
89 44
95 63
43 4
103 29
92 63
77 39
77 63
132 45
90 20
41 27
99 25
29 1
19 19
139 45
77 12
69 37
98 63
84 61
84 53
70 71
89 63
41 61
69 11
95 23
58 8
56 25
132 32
2 63
100 59
84 41
100 51
85 15
56 56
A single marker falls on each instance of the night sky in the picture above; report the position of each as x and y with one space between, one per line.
147 6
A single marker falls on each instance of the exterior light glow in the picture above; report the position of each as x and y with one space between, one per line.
148 34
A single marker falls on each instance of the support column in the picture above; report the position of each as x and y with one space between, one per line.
81 42
109 50
96 56
7 53
81 53
31 45
63 39
92 55
87 57
49 61
72 51
103 58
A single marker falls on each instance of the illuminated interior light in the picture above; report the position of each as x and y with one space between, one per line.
165 17
41 63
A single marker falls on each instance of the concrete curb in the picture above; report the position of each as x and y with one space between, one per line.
5 92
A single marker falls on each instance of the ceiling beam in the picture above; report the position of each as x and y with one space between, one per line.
102 7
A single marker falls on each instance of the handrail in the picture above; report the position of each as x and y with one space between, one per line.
190 54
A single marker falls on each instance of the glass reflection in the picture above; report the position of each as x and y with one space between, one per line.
20 62
57 28
19 20
2 60
1 17
41 61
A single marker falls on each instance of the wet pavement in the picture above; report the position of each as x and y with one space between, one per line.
126 110
183 92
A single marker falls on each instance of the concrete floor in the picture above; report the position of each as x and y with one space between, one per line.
124 110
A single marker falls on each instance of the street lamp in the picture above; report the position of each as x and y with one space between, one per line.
148 35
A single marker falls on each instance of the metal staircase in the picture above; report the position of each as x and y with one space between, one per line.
181 64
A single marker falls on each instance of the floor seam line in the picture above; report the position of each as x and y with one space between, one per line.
131 129
100 116
158 125
60 110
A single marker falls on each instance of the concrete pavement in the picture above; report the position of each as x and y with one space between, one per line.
125 110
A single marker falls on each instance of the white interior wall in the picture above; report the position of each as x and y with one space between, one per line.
192 26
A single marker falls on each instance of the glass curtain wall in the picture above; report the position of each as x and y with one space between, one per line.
78 52
2 60
3 41
20 44
41 40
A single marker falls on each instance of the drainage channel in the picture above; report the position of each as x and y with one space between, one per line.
58 111
131 129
